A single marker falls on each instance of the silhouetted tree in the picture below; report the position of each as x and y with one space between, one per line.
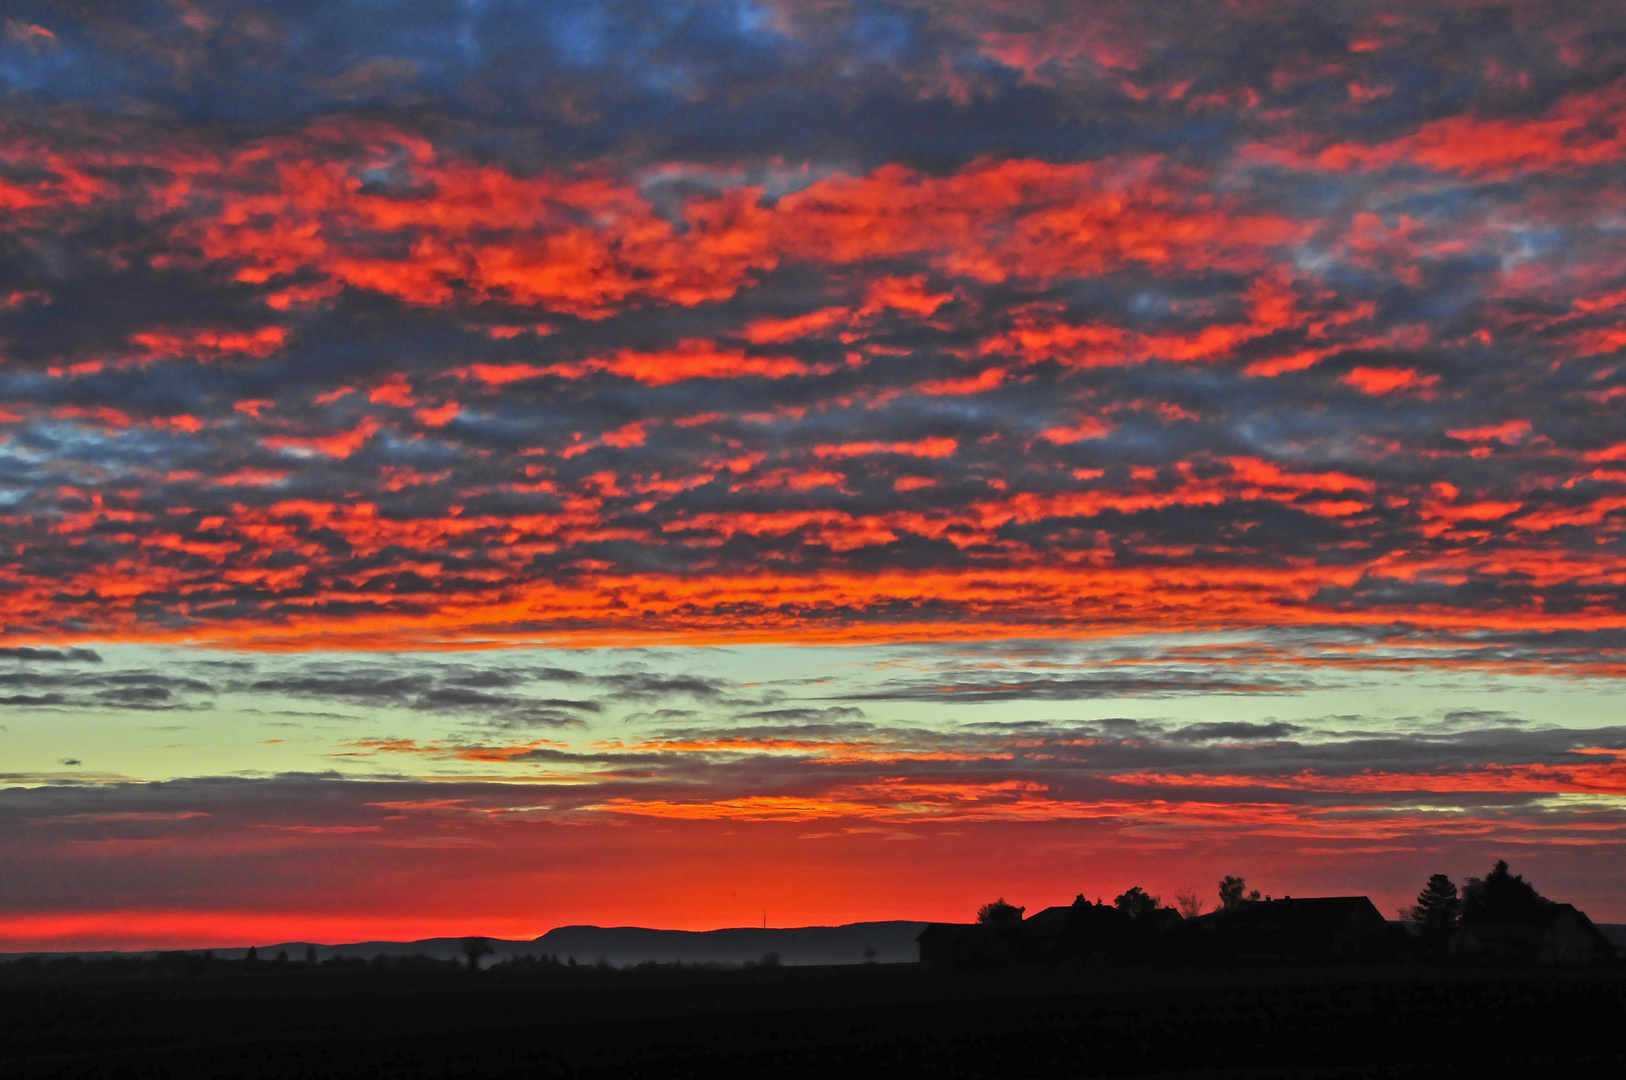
1188 903
474 948
869 954
1500 897
1233 890
1136 902
1438 907
1000 915
310 954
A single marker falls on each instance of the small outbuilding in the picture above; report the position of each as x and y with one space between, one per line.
963 945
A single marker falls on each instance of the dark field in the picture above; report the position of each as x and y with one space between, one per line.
850 1022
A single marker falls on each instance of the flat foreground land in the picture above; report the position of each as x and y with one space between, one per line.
847 1022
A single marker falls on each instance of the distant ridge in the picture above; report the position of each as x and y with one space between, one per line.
893 942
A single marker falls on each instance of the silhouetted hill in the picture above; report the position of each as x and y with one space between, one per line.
893 942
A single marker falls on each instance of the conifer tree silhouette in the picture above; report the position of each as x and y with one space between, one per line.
1438 907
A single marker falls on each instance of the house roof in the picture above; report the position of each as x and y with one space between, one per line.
1306 912
1049 922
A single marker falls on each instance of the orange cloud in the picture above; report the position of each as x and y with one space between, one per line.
1601 778
922 448
335 446
1039 334
779 331
793 480
209 344
1377 381
989 379
394 390
584 244
1579 131
1510 432
1088 428
692 358
906 294
438 416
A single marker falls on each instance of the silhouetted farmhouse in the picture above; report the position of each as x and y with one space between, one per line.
1097 933
963 945
1305 931
1505 921
1037 937
1553 934
1091 933
1498 920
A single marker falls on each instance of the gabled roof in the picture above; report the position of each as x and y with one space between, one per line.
1544 917
1049 922
1320 912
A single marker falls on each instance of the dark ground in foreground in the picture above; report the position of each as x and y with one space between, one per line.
848 1022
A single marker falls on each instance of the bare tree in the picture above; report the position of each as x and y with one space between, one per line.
1189 903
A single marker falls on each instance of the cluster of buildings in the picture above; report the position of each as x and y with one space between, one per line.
1318 930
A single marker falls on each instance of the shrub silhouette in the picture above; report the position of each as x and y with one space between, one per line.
1188 903
1000 915
1500 897
1233 890
1136 902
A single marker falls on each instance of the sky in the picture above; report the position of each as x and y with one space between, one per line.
477 466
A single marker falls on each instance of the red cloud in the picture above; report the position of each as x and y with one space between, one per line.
1088 428
341 445
1509 432
694 358
1039 334
778 331
923 448
582 243
209 344
1579 131
1370 380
